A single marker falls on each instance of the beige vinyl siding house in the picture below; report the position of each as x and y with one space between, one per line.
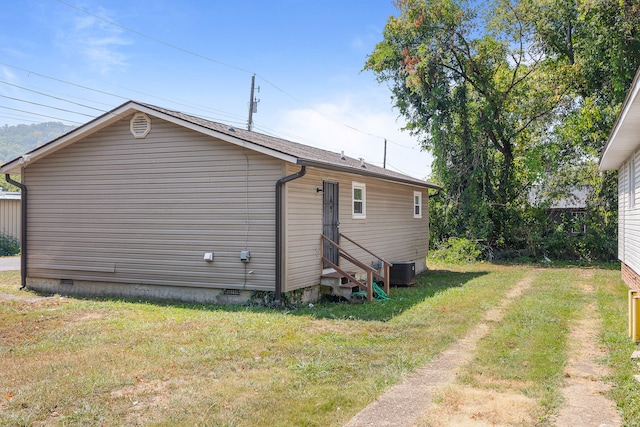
622 153
97 213
132 204
389 228
10 214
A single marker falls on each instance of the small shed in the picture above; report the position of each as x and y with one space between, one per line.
10 213
148 202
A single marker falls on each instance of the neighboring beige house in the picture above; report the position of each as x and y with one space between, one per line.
622 153
10 213
152 203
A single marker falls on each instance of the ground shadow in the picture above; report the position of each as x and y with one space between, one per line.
401 299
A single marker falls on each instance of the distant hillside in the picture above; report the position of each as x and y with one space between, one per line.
19 139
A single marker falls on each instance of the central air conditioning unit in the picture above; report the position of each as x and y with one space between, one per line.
402 273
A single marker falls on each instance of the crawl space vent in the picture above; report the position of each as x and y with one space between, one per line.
140 125
231 292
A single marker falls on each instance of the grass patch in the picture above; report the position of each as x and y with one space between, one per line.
72 361
109 362
611 296
526 351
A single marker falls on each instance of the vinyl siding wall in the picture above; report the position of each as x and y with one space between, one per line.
10 217
629 212
112 208
622 207
389 229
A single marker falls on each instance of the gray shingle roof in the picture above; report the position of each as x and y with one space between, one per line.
304 153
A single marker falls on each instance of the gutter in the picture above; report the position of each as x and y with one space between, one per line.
279 247
624 109
23 229
365 172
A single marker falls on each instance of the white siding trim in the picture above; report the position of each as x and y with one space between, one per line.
358 206
235 141
622 193
632 182
613 155
125 110
417 204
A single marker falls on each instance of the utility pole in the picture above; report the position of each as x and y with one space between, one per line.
253 102
384 162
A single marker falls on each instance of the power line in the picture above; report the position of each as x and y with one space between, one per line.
46 106
198 106
189 52
54 97
216 61
230 119
41 115
397 169
22 119
173 46
63 81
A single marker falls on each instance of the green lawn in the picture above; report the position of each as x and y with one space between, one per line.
71 361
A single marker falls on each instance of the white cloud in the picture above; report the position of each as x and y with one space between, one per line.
13 52
358 127
7 75
97 41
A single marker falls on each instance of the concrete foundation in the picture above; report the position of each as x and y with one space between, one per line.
157 292
139 291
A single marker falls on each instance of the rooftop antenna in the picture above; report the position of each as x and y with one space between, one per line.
253 102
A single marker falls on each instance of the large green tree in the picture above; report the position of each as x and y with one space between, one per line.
505 95
474 84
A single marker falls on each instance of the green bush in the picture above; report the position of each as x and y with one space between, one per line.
456 250
9 245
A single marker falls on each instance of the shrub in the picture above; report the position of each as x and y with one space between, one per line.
456 250
9 245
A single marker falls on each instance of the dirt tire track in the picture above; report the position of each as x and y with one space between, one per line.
405 403
585 403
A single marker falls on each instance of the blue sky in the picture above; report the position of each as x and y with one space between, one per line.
198 57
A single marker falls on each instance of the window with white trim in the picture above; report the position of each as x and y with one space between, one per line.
359 200
417 204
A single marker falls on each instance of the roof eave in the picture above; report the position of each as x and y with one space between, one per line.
613 156
365 172
15 166
216 134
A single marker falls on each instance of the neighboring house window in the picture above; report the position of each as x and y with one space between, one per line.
359 197
417 204
632 181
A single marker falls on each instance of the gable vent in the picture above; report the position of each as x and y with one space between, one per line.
140 125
